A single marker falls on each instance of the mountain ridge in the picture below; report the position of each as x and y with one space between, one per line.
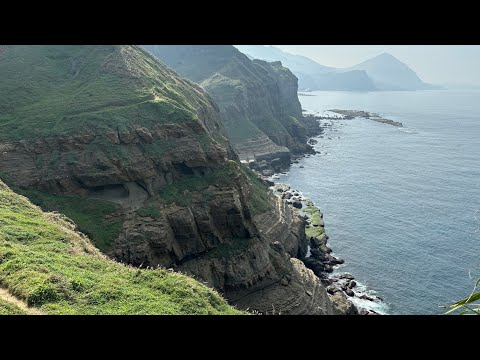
383 72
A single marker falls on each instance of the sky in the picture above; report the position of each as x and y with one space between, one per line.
436 64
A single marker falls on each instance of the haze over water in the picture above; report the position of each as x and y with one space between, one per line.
399 203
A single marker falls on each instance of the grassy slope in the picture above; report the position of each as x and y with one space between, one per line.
51 267
7 308
57 90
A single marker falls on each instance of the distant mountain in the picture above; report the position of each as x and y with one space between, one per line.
312 75
389 73
383 72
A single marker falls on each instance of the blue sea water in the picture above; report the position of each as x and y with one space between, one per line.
401 205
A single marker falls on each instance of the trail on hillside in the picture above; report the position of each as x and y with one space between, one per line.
6 296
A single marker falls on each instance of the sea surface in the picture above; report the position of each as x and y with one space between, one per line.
401 205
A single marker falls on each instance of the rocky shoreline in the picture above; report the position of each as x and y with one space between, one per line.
269 165
352 114
319 256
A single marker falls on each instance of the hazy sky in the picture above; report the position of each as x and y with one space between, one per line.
437 64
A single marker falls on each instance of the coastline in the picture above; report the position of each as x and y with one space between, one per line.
320 257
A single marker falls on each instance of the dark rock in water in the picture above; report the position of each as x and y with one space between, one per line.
349 292
366 297
373 312
288 195
315 265
328 250
296 194
301 166
352 284
317 254
328 268
267 172
346 276
295 162
363 311
280 190
297 204
334 260
312 141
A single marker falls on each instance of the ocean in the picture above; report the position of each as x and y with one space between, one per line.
401 205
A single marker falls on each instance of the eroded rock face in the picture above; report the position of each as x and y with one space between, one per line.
258 99
76 164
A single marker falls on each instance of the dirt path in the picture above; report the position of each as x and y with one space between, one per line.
6 296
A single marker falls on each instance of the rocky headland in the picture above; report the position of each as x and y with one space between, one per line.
140 160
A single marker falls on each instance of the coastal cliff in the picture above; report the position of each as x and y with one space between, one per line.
139 158
257 99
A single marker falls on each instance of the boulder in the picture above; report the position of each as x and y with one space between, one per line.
349 292
315 243
316 266
352 284
346 276
297 204
332 289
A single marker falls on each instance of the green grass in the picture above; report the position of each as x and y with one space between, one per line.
7 308
149 211
88 214
315 217
260 200
67 89
180 192
234 246
49 266
158 148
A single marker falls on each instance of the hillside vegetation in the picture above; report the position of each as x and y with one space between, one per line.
60 90
51 267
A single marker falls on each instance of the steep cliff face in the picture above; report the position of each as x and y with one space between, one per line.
258 100
118 141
